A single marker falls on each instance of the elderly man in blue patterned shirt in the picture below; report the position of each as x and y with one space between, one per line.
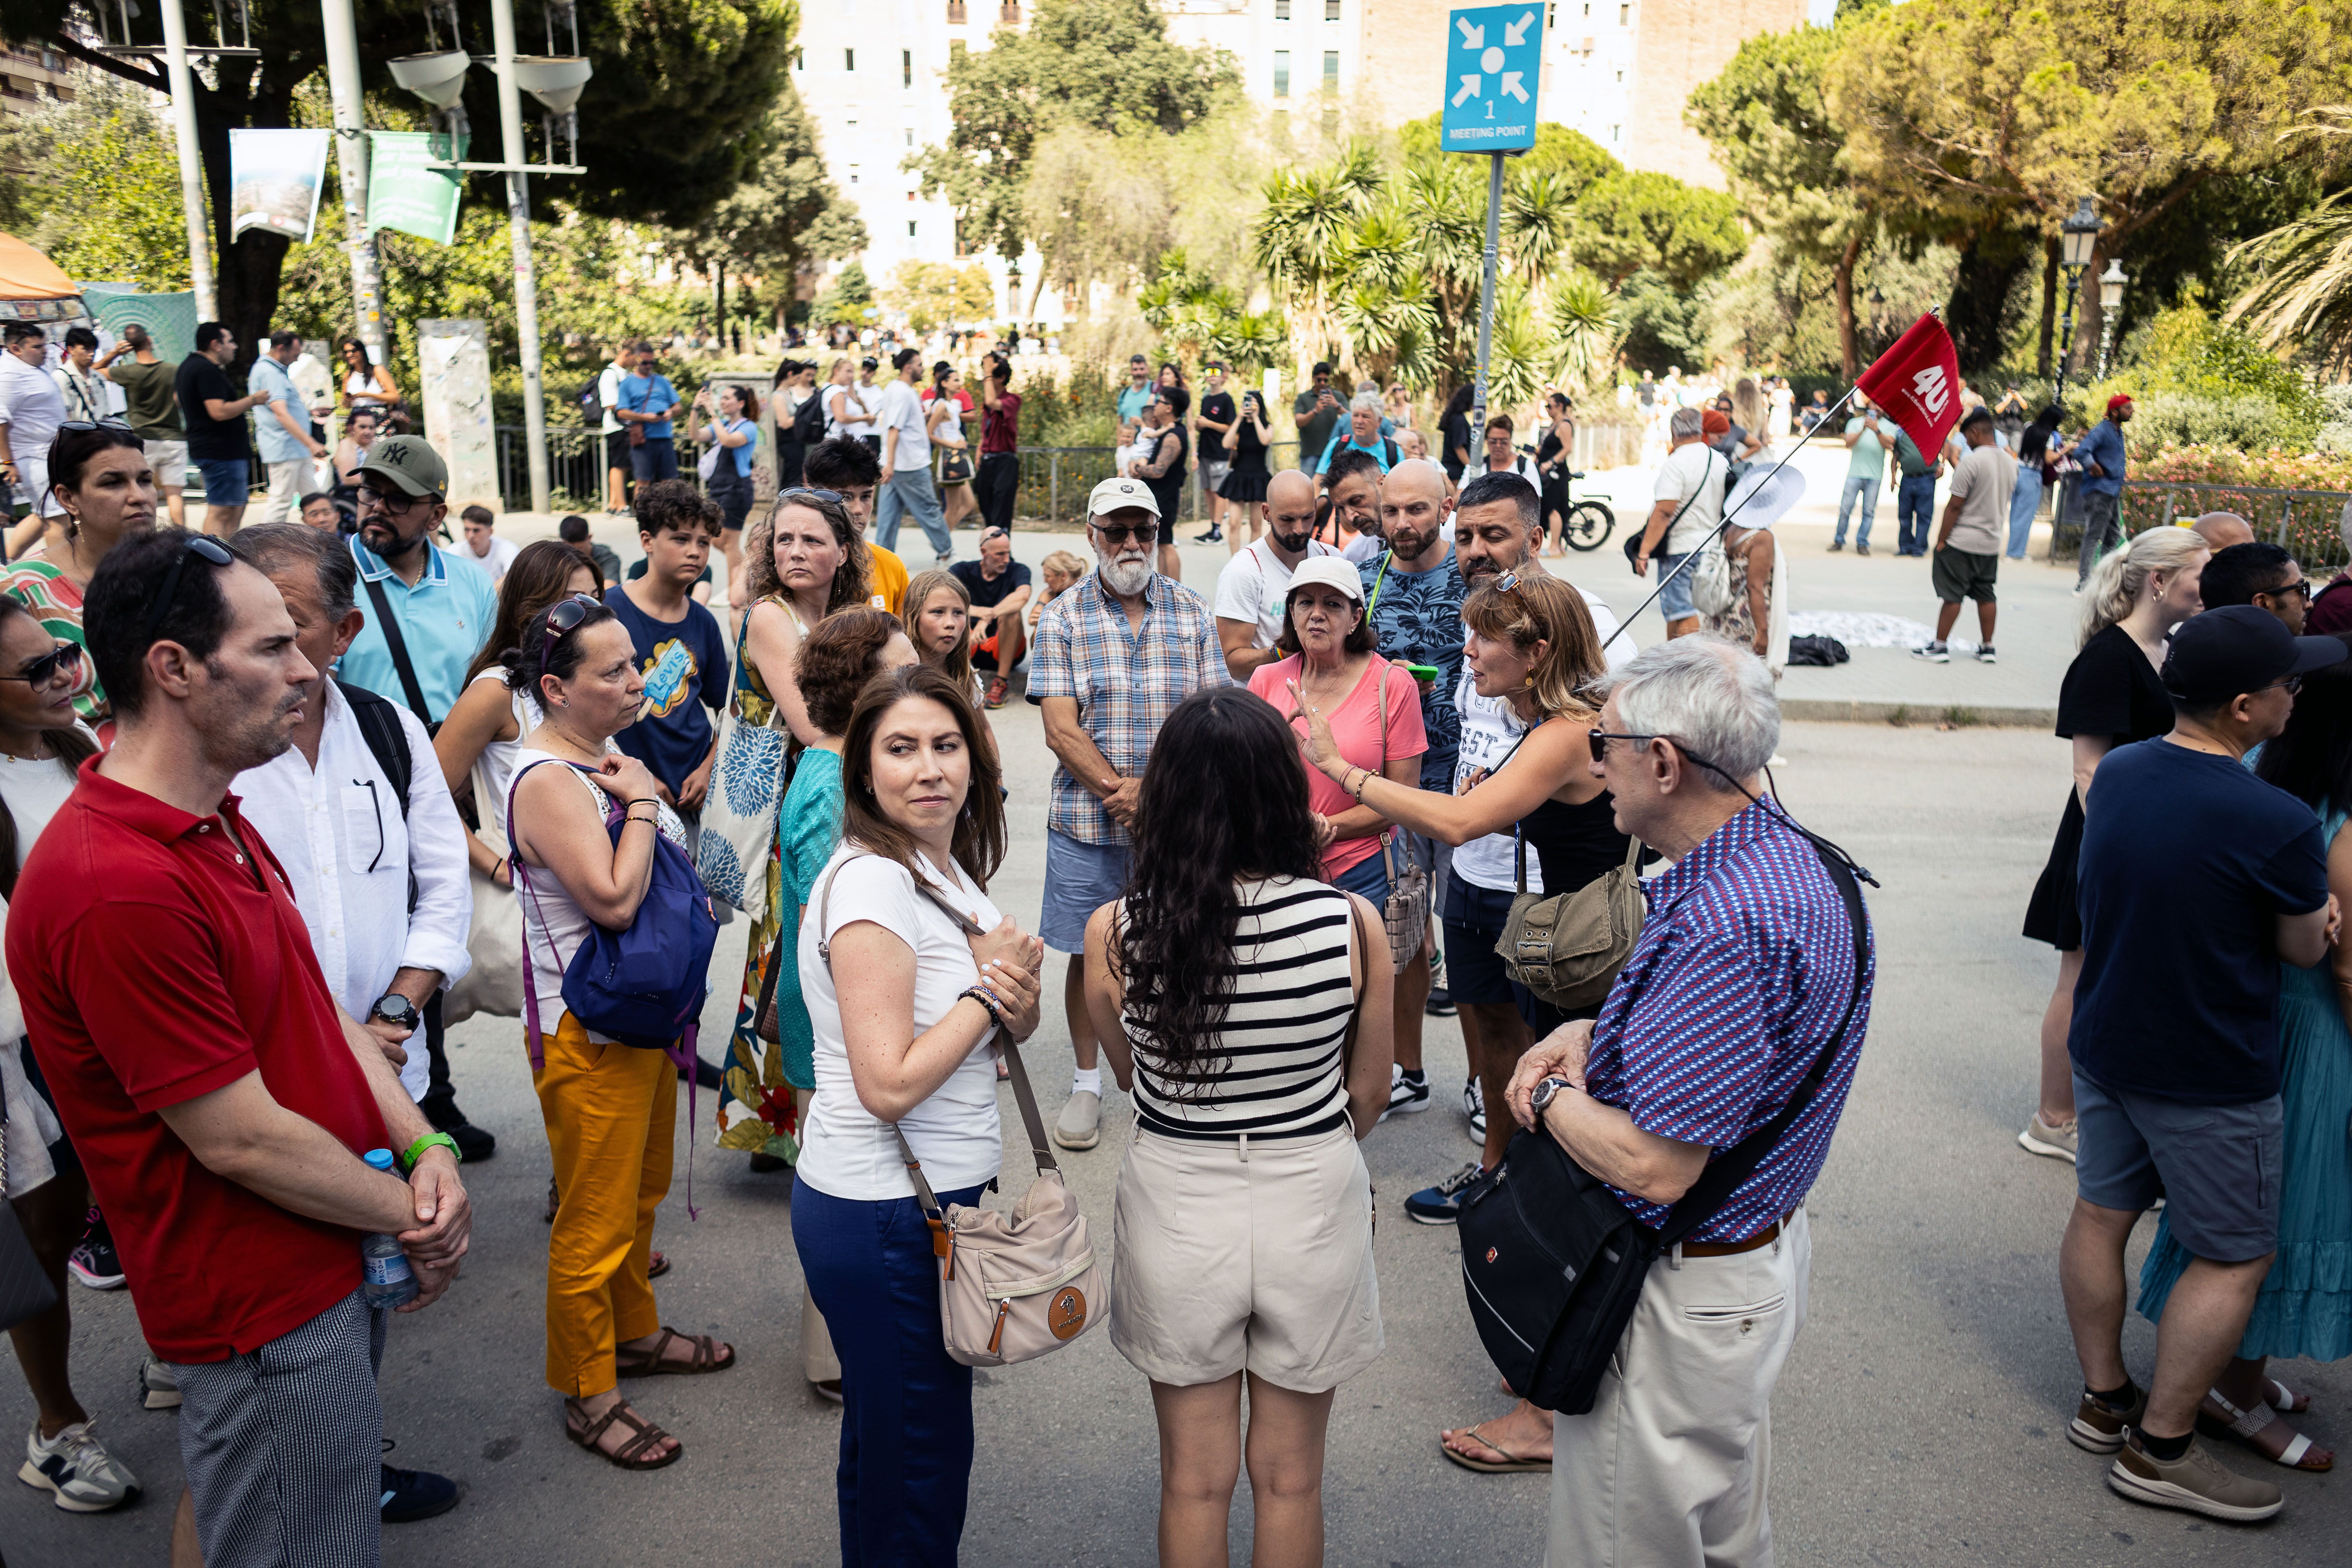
1744 969
1113 657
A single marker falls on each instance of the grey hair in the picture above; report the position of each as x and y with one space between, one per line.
1365 401
1686 423
2344 525
275 547
1712 697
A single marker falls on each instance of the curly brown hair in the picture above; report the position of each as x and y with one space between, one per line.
838 658
851 584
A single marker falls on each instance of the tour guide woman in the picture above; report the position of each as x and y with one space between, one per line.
1224 986
610 1109
903 1004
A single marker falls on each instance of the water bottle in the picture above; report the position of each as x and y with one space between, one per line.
389 1281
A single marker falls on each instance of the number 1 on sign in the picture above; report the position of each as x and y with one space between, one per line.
1490 108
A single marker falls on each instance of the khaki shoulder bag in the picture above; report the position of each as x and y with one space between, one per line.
1566 948
1012 1287
1406 912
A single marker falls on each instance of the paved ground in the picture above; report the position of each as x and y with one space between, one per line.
1919 1421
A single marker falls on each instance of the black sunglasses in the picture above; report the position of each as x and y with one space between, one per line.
1598 741
397 505
79 425
65 656
199 544
1120 533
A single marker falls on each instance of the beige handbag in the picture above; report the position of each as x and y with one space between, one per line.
492 985
1406 912
1012 1286
1568 948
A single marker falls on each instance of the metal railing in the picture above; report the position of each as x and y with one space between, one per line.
576 469
2307 524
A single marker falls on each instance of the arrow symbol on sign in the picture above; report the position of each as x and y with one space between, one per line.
1516 33
1512 87
1469 88
1472 37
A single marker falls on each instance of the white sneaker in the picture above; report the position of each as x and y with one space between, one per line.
1986 655
1405 1096
1934 653
76 1465
1080 1124
1473 1104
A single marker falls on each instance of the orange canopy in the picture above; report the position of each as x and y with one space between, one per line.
26 274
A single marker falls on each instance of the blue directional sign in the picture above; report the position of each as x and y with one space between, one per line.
1494 59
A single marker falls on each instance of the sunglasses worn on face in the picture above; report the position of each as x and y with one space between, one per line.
1120 533
65 659
202 545
397 505
1598 741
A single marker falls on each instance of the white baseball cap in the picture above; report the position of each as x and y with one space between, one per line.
1328 572
1117 495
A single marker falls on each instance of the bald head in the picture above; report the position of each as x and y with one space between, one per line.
1290 505
1412 511
2221 530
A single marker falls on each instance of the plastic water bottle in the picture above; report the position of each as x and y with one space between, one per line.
390 1281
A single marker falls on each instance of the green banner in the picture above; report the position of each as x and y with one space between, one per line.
404 193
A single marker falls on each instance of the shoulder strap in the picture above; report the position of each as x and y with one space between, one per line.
387 741
1355 1013
398 645
1379 579
1388 451
1723 1175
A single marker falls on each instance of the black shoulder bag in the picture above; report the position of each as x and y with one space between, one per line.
1553 1263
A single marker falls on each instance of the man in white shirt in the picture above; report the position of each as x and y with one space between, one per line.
616 440
1255 586
1689 495
483 546
314 384
30 412
85 395
907 464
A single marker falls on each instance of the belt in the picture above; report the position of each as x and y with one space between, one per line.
1757 1243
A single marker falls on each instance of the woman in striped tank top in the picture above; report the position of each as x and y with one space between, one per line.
1245 1004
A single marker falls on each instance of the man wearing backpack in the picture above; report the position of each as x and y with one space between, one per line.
599 403
362 823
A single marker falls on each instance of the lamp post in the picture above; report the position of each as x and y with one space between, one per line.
2077 237
2111 305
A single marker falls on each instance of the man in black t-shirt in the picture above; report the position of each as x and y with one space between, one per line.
999 586
214 416
1215 427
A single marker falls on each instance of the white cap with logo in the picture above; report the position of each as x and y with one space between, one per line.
1117 495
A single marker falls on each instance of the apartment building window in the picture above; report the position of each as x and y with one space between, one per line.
910 228
1281 10
1330 70
1624 16
911 136
849 59
1282 73
1330 10
906 68
956 14
800 59
1011 14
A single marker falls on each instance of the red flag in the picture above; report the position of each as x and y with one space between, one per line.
1919 382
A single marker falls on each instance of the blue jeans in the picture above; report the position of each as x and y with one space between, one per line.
655 460
906 1419
1865 487
1674 592
1914 515
910 490
2023 502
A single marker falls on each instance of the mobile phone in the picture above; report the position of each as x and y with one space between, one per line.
1422 671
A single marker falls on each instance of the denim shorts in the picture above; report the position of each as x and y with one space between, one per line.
225 480
1674 601
1367 878
2216 1166
1080 879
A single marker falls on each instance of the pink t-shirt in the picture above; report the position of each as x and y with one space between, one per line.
1356 727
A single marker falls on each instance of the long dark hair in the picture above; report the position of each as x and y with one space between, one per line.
70 746
979 843
2311 759
1224 797
538 576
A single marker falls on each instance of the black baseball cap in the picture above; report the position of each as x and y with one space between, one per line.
2239 649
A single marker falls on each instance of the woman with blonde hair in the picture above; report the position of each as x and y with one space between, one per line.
939 620
2111 697
1753 415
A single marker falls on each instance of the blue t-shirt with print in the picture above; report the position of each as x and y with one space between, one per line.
684 667
1417 619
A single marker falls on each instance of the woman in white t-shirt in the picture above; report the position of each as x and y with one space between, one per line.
849 409
904 1007
42 742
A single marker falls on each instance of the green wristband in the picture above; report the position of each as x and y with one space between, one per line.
431 1139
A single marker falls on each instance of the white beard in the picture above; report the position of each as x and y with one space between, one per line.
1127 575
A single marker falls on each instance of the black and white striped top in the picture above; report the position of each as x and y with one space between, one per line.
1283 1028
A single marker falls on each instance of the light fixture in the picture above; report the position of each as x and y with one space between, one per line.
439 79
2111 287
556 80
2079 234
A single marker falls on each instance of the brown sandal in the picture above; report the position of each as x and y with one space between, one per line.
656 1266
636 1454
651 1363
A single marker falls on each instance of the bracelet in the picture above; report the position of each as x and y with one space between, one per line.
1364 777
431 1141
983 995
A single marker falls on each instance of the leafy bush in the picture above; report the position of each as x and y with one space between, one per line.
2248 422
2219 465
2198 383
2334 436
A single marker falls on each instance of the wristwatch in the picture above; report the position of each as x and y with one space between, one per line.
1545 1092
395 1009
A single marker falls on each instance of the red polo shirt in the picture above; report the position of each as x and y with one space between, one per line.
159 960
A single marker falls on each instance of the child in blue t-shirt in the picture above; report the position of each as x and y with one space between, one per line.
682 648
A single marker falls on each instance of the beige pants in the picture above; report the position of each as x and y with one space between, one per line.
286 483
1669 1468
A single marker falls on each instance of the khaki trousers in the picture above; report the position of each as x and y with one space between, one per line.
1669 1469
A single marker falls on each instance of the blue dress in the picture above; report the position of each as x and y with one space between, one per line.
2306 1305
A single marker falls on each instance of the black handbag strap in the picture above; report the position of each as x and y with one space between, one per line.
399 647
1723 1175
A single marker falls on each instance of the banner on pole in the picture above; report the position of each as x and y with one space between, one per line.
1493 66
405 192
1919 382
274 179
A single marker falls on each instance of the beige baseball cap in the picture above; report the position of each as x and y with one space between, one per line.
1117 495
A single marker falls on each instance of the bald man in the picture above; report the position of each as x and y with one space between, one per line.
2221 530
1255 584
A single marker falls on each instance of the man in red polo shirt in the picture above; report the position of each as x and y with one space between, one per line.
216 1092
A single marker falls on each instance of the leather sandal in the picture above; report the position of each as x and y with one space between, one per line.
656 1266
2245 1427
1511 1463
653 1362
2282 1399
638 1453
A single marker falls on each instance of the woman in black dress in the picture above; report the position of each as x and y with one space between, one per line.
2111 697
1245 482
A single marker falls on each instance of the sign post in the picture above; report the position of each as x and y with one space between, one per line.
1494 67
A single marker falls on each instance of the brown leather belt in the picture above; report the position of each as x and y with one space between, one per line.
1762 1239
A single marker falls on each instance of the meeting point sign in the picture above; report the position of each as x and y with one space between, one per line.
1494 63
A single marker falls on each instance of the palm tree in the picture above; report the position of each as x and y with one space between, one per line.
1538 216
2302 294
1301 235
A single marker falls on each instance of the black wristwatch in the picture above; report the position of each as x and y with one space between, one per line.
1545 1092
396 1010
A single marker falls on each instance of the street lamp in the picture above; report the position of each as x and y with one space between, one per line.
2111 305
2077 237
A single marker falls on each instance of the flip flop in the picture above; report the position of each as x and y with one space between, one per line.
1511 1463
657 1265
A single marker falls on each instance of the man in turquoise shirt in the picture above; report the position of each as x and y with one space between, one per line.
1868 439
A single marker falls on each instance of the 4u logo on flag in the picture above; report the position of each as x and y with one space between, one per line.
1914 382
1494 67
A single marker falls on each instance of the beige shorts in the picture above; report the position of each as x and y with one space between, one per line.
169 461
1227 1257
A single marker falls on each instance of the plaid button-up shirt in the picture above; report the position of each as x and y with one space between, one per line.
1741 972
1126 681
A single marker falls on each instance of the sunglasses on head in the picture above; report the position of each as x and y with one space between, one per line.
202 545
832 497
563 618
65 659
79 425
1120 533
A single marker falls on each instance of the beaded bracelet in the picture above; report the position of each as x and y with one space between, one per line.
981 994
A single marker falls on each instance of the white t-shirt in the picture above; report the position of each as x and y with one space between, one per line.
501 556
1692 467
846 1151
902 411
34 788
1489 731
1364 547
1254 584
1604 623
608 393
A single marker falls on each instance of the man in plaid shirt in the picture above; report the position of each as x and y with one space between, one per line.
1113 657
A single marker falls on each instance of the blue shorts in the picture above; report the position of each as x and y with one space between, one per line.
1674 601
1080 879
1474 918
1367 878
225 480
2216 1166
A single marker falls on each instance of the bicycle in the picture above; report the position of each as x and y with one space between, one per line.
1586 524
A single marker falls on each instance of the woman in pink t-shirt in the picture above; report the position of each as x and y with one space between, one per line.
1336 672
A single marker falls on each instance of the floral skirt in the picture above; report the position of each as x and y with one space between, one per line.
755 1096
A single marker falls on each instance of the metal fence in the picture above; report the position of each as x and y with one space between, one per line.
2307 524
576 469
